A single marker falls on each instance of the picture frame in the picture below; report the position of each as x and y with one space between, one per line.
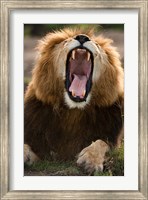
141 6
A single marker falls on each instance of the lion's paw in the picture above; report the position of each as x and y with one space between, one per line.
29 156
92 157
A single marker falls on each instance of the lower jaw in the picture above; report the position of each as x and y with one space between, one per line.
78 99
79 105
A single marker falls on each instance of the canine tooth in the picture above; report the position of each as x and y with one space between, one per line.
73 93
73 54
88 56
83 94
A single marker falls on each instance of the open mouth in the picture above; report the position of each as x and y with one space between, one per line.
79 68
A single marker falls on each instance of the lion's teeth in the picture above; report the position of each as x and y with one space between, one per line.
73 93
73 54
84 92
88 56
81 50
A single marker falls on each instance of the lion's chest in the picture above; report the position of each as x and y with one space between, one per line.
78 128
69 131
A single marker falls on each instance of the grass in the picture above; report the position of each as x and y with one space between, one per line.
113 166
49 168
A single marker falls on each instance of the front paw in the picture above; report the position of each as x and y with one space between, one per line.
29 156
92 157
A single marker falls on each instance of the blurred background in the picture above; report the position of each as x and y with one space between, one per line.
34 32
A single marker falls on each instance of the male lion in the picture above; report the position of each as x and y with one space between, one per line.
73 103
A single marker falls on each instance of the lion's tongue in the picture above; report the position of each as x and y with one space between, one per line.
78 85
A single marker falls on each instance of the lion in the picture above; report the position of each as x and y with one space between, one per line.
73 104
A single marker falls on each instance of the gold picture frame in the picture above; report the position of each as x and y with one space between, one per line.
142 7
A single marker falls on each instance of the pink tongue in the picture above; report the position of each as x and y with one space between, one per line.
78 85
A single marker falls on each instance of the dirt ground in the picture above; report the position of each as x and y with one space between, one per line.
30 53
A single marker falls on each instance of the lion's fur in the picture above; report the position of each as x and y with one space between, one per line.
49 123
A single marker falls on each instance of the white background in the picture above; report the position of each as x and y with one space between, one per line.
17 20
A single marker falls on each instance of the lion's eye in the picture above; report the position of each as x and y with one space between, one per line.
96 43
99 47
64 43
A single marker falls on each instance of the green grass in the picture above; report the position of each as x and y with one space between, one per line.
113 166
54 168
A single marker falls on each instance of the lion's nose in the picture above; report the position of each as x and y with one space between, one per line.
82 38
